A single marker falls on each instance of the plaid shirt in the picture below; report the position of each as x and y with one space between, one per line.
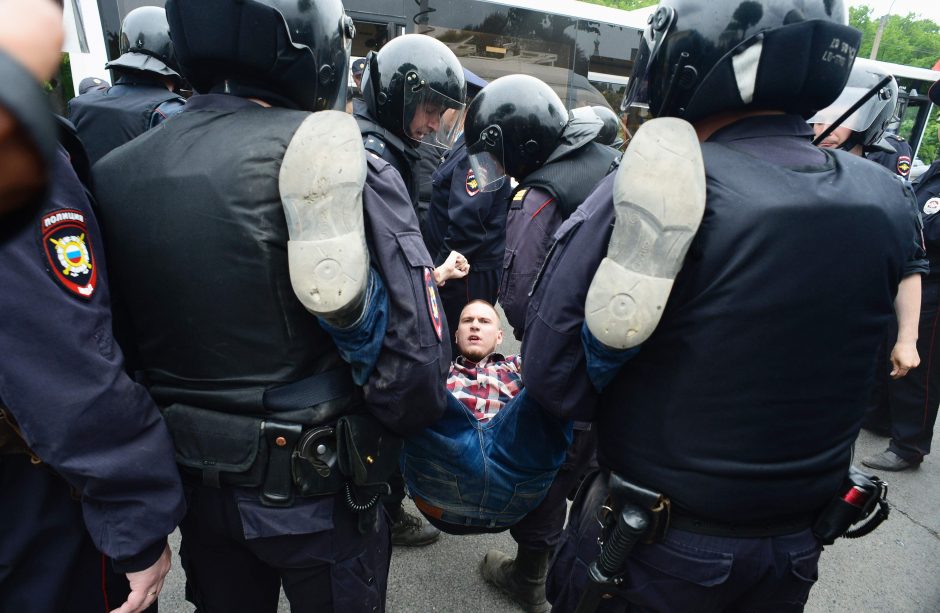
485 386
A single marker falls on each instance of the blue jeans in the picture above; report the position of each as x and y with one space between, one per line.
360 343
486 475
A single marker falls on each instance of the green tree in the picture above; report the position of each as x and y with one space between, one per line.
909 40
627 5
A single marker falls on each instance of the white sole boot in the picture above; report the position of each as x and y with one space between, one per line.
321 180
659 200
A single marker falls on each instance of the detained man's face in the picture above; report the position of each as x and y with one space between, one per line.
479 331
835 138
426 120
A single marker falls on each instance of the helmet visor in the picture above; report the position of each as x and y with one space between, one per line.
637 93
486 159
860 120
430 117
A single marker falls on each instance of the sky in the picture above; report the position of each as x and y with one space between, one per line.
924 8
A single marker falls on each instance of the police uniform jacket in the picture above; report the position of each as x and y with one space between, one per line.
745 402
109 117
379 141
927 188
463 218
63 379
897 161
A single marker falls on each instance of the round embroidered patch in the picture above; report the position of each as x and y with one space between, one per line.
932 206
68 249
472 185
904 165
434 310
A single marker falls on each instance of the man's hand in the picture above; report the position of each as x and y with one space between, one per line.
145 584
455 266
31 32
904 358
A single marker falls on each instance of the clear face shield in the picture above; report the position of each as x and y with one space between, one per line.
486 159
860 120
637 94
430 117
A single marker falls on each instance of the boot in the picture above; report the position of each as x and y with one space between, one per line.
659 200
412 530
522 578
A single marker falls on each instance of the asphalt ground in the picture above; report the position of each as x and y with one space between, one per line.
896 569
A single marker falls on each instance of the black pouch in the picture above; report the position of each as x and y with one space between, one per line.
368 453
315 463
863 497
218 447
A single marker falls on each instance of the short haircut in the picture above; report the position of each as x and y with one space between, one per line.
499 320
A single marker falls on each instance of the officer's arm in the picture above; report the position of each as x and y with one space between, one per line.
466 207
904 356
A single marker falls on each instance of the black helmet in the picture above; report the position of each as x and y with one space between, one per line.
145 44
610 133
298 51
869 122
409 84
699 57
512 126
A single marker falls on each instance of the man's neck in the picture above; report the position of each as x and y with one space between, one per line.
708 126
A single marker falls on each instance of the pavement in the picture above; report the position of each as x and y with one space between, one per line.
892 570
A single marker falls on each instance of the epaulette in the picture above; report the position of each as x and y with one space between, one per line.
520 195
374 145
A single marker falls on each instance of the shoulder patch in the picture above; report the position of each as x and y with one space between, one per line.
520 195
932 206
69 253
472 185
434 309
904 165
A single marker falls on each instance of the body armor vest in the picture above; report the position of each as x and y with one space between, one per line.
393 150
571 179
108 118
198 242
744 403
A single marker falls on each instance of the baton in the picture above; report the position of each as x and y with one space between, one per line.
603 572
858 104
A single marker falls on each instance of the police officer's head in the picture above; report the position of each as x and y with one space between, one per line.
698 58
287 52
146 46
511 128
610 133
866 126
410 83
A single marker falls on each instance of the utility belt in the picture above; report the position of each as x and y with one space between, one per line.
352 451
633 514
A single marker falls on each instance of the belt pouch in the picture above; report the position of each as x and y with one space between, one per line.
218 447
280 437
368 452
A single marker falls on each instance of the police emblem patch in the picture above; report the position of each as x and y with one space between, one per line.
932 206
904 165
434 310
68 249
473 186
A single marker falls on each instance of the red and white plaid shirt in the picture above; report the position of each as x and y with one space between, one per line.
485 386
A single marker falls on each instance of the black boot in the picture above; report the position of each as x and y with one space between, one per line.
412 530
522 578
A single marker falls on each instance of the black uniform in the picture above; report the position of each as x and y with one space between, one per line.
747 391
463 218
108 482
898 161
109 117
906 408
391 148
216 328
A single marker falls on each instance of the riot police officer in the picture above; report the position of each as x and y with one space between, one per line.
250 210
554 157
408 87
557 160
728 385
466 219
85 461
909 410
144 91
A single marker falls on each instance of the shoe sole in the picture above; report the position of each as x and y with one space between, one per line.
321 181
659 200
